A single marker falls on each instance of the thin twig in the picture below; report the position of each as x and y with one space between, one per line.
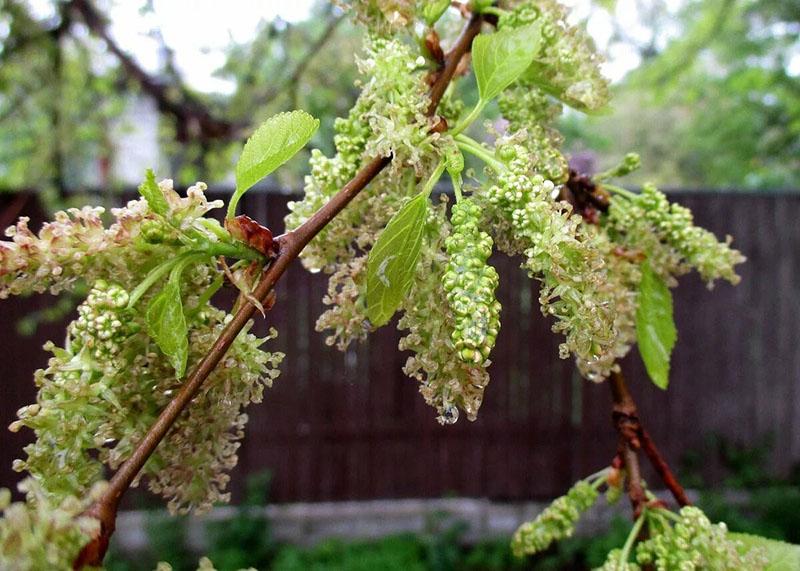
662 469
289 247
626 420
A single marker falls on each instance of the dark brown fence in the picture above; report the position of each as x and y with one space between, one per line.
352 426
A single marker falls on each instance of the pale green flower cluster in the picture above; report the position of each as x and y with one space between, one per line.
666 233
387 119
346 321
42 533
532 115
556 522
105 387
76 244
566 64
396 95
470 283
563 254
328 175
695 544
446 382
620 292
383 16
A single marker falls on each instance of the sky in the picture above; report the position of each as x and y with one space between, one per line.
198 31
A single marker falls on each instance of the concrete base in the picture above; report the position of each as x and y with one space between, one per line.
309 523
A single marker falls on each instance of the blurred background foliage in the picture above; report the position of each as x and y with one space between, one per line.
707 91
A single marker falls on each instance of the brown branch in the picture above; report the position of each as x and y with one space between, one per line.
289 247
662 469
633 437
635 488
194 119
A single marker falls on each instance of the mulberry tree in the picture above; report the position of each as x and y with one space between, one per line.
153 379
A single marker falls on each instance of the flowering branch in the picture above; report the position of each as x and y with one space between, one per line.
289 247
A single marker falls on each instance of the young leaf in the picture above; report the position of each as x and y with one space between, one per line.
433 10
655 326
393 259
274 142
500 58
152 194
782 556
166 324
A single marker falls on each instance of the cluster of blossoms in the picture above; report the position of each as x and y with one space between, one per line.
692 543
566 64
556 522
531 114
589 274
42 533
566 67
77 245
668 236
387 119
110 370
383 16
470 283
446 382
562 253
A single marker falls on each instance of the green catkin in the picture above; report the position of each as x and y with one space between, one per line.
556 522
673 244
470 283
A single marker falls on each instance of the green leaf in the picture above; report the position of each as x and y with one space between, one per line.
393 259
655 326
274 142
782 556
166 324
152 194
433 10
500 58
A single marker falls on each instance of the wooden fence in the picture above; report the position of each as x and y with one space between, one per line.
352 426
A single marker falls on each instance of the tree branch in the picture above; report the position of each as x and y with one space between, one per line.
634 437
289 247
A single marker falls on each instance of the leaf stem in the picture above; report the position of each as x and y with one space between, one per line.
599 478
626 549
206 296
621 191
467 121
156 274
433 179
474 148
238 250
456 180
